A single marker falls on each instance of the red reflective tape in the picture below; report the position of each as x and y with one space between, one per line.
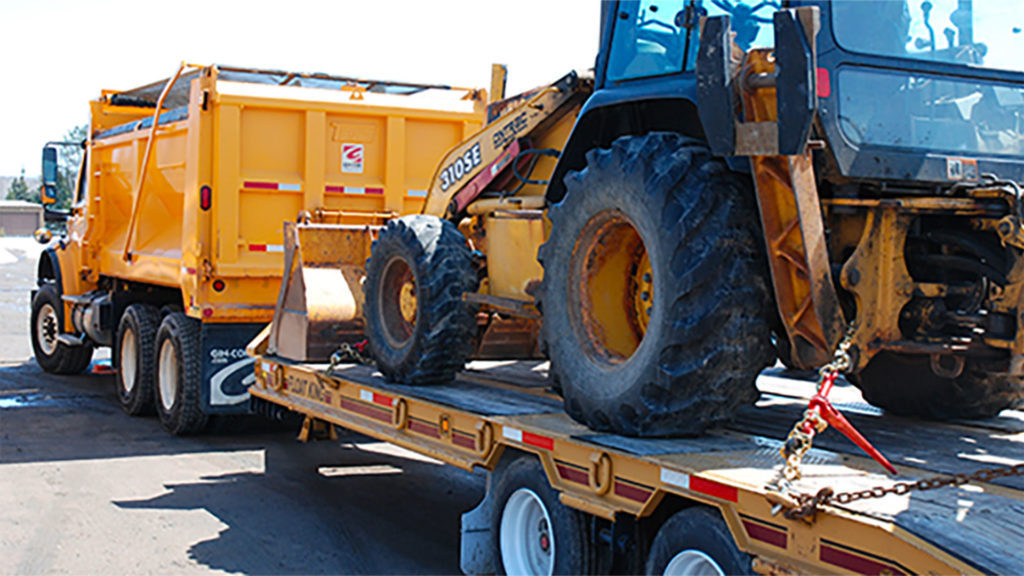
260 185
712 488
464 440
856 563
374 190
257 247
631 492
824 83
538 440
339 189
191 271
573 475
383 400
365 410
765 534
422 428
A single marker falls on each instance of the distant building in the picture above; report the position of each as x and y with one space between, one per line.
19 218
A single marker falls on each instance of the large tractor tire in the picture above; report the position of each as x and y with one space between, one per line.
419 328
179 369
136 348
654 297
52 355
906 385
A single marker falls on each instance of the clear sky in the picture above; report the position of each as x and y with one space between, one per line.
56 55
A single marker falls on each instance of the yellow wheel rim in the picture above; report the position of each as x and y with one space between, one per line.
612 287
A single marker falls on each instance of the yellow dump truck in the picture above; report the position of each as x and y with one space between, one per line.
174 250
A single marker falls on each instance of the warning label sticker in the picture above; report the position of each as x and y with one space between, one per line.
352 158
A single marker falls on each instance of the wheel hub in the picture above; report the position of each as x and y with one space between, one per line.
46 328
129 361
397 302
525 540
167 374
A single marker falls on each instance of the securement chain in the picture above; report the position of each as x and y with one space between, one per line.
798 442
806 506
348 353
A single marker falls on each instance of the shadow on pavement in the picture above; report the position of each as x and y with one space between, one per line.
290 519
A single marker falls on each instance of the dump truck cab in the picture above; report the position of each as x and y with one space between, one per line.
883 143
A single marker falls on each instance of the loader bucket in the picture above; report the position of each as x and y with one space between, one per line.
321 300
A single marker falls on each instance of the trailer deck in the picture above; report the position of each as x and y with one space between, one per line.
500 406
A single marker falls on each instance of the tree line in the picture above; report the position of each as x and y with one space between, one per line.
69 159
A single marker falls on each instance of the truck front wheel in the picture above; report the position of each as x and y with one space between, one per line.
178 375
136 343
655 295
696 542
52 355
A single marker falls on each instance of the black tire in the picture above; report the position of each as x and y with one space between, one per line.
707 334
429 258
136 352
906 385
560 541
178 372
44 325
697 535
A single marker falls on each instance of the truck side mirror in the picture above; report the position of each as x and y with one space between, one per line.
49 195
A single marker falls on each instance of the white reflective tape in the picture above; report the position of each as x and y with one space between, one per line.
512 434
353 190
416 193
275 248
675 478
290 187
366 396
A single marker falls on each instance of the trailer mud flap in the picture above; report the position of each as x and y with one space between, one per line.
227 369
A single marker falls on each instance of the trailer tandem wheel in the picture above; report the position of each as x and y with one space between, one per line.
533 532
696 542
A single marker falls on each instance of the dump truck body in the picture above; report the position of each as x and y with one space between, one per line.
187 217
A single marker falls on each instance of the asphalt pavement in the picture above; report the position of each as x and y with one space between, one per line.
86 489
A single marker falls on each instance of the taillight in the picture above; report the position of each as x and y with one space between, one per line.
205 197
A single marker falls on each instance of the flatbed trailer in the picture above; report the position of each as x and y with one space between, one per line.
497 414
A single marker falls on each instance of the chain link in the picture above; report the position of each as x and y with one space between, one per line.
348 353
807 506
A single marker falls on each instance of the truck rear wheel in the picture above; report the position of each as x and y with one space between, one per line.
906 385
535 533
695 541
419 328
654 297
51 354
179 368
136 344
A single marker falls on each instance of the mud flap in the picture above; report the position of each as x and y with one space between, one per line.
477 553
227 369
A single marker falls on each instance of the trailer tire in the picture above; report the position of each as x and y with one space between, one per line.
420 330
655 295
179 369
696 541
136 348
534 533
52 355
906 386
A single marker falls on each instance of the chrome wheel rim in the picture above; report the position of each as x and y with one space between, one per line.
526 536
47 329
693 563
168 375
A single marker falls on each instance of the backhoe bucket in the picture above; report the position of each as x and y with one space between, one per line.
321 300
